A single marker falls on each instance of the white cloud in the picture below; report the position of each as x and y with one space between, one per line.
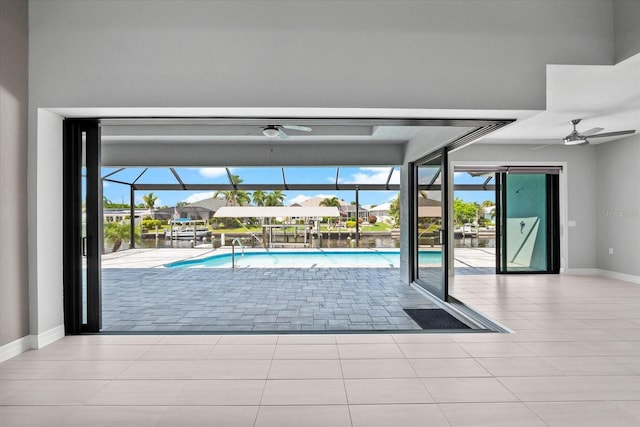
196 197
212 172
372 175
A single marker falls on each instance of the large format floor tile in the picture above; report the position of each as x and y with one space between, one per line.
309 416
583 414
304 392
414 415
542 376
139 416
468 390
382 391
304 369
205 416
377 368
55 392
138 393
221 393
490 414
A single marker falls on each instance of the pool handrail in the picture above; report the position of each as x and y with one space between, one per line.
233 250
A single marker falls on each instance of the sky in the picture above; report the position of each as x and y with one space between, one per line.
119 193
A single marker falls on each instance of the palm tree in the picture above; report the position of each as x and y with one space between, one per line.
275 198
234 197
258 197
116 232
333 201
149 201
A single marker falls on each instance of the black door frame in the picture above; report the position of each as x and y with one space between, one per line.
82 135
553 222
440 290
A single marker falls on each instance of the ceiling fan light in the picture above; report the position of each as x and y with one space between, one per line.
575 141
270 132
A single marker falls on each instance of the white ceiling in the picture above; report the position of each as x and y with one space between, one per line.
126 131
606 97
602 96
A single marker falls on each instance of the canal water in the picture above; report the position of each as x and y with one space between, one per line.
366 241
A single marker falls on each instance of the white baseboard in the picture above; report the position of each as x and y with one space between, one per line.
30 342
15 348
603 273
47 337
581 271
619 276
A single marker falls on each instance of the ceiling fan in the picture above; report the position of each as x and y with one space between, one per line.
582 138
576 138
273 131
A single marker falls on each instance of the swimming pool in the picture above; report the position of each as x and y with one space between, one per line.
304 259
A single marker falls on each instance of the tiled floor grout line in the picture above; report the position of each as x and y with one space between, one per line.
344 385
264 388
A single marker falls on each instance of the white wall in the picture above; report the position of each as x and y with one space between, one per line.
618 206
580 196
481 54
14 41
627 30
45 231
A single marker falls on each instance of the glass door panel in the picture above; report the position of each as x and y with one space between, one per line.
81 225
529 231
430 226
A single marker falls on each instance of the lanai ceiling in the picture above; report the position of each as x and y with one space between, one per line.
250 130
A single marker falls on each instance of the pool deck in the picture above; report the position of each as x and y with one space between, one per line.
140 295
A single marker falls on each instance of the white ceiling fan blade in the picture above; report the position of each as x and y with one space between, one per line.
282 134
542 146
298 127
591 131
618 133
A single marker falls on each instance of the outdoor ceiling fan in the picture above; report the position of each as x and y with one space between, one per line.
582 138
273 131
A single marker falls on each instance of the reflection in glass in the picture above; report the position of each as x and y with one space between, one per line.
84 226
525 247
430 269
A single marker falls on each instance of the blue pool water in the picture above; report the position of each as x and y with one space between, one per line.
305 259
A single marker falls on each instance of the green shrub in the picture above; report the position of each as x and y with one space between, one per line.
229 223
350 224
151 224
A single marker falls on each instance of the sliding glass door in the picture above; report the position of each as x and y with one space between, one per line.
430 225
529 240
82 228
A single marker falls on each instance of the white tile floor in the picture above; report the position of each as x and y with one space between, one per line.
573 361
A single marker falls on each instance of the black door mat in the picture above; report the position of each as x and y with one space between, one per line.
434 318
